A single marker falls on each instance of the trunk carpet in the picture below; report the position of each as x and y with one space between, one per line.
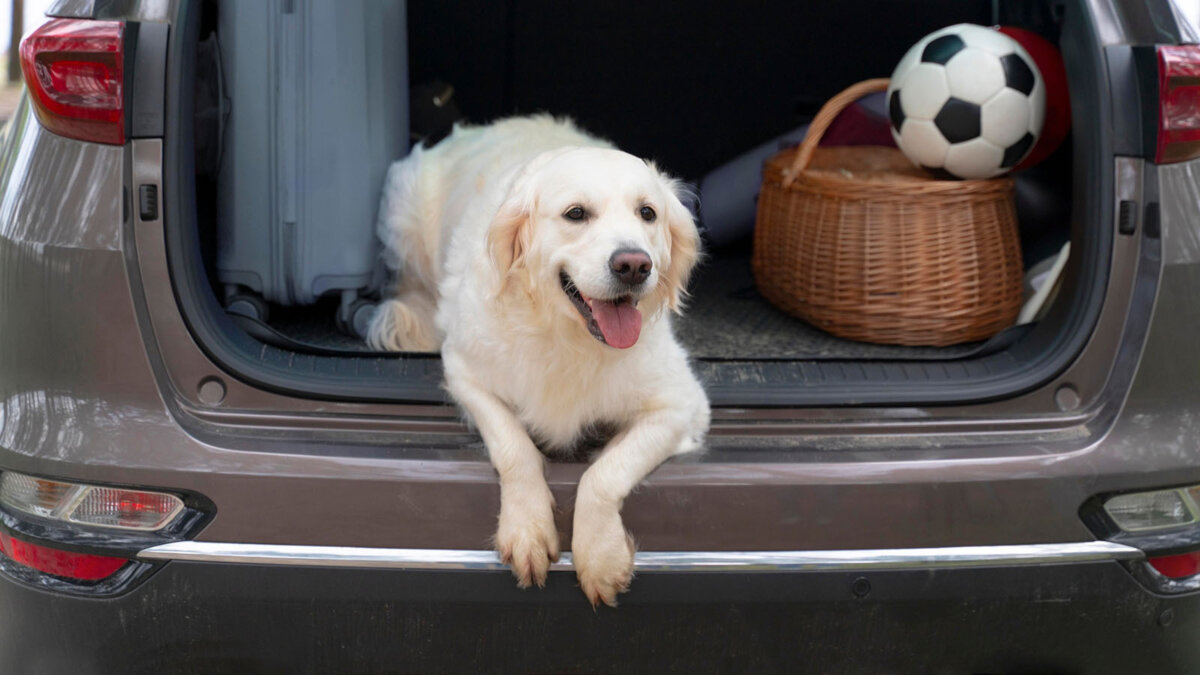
726 319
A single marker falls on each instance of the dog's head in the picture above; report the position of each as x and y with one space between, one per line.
597 236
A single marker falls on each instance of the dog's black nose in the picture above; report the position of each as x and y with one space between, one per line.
630 265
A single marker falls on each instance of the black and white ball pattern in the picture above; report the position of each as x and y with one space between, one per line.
966 102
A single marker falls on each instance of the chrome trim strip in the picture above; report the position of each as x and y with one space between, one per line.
649 561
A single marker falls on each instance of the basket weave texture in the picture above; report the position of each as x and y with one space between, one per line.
862 244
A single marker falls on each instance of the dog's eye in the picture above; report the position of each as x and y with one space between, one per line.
647 214
576 214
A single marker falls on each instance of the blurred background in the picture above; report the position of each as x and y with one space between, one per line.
28 14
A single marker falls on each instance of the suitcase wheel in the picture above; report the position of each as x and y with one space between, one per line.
247 305
354 318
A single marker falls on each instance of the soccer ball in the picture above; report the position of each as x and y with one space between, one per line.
966 102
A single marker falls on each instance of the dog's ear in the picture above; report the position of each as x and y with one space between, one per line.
508 237
510 233
683 241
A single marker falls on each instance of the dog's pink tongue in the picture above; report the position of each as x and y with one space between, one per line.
621 324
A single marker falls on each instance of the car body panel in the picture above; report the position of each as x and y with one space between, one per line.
763 484
101 380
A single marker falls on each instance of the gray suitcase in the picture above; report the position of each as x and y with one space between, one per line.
318 109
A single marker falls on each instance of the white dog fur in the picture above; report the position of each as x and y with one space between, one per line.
477 229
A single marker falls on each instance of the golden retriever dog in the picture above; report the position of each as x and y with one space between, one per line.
545 264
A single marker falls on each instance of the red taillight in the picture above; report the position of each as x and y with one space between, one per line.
78 566
1178 103
1177 566
75 71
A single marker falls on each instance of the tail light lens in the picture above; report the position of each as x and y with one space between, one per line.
1178 103
60 563
1150 511
126 509
89 504
75 71
38 496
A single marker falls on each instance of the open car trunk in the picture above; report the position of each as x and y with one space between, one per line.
690 87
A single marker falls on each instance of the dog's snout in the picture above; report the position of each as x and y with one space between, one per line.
630 265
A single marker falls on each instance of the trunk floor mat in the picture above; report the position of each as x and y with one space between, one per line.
725 319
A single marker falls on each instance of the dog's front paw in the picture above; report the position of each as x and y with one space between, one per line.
603 554
527 539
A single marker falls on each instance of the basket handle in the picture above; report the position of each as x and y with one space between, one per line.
825 116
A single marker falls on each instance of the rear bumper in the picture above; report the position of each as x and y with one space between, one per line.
212 617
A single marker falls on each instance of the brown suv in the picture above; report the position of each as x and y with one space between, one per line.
196 476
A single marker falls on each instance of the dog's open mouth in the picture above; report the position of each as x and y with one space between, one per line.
616 322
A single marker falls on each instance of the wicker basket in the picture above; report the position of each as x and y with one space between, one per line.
859 242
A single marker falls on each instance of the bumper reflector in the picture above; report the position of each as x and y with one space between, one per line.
78 566
93 505
1177 566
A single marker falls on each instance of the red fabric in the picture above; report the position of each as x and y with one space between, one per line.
858 126
1058 100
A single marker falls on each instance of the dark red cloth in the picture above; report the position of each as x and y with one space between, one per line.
858 125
